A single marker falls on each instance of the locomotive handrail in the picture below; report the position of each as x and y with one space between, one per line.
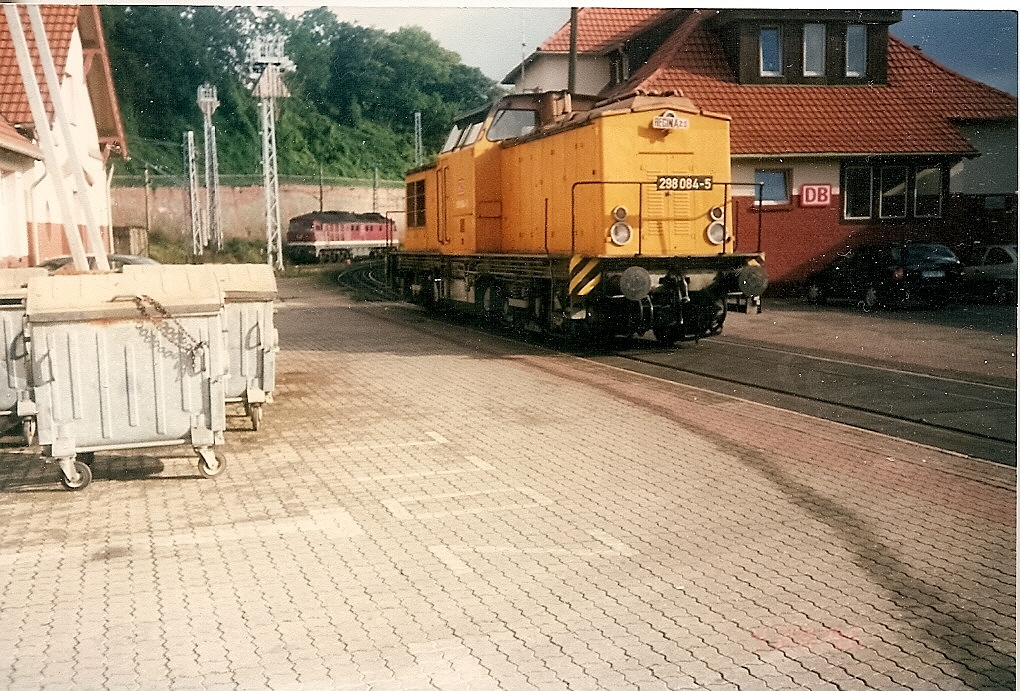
641 183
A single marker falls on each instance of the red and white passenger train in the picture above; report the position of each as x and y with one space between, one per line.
334 236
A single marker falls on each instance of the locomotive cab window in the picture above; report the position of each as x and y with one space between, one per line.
508 124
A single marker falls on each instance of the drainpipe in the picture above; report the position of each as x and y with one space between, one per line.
33 222
27 69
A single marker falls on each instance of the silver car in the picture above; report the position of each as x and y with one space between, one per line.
990 272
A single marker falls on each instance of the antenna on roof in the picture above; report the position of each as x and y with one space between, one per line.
572 66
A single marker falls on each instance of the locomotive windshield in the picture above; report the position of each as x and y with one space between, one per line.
512 123
465 131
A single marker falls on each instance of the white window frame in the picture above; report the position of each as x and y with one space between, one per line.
868 172
814 50
778 72
856 50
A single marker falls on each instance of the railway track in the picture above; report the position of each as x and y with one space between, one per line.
970 418
973 419
365 280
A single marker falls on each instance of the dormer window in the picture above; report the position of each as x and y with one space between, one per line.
770 53
811 47
856 50
814 50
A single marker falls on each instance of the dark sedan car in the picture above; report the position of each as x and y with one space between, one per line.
890 275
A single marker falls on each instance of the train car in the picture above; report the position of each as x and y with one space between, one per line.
333 236
550 212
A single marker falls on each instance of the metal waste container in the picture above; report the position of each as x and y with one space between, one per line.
15 382
127 360
249 291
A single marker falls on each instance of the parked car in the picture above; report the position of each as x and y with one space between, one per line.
66 264
890 275
990 272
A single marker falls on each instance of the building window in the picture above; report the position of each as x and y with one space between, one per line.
774 186
893 200
896 191
415 194
770 55
857 193
814 50
856 50
928 192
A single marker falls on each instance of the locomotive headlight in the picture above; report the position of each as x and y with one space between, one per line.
620 233
716 233
620 213
716 213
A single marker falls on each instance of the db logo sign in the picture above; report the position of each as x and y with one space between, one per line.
815 195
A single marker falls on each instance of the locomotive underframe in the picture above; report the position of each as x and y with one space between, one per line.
683 297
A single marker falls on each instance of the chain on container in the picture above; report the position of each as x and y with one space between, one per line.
172 330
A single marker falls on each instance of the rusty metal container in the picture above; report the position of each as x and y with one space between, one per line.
128 360
15 380
249 293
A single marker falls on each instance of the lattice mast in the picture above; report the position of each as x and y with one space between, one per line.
199 238
268 59
213 230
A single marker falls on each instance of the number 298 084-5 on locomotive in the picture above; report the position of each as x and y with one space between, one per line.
549 212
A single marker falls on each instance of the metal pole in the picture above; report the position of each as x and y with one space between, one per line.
27 69
194 207
572 64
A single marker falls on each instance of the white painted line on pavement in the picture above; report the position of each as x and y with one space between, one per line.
477 464
396 506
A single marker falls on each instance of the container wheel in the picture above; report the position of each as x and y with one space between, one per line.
84 474
28 430
211 464
255 413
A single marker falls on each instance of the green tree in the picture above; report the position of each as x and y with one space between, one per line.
354 90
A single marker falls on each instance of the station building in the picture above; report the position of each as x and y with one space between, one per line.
851 135
31 219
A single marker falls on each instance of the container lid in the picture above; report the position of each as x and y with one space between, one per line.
14 282
180 290
239 282
246 282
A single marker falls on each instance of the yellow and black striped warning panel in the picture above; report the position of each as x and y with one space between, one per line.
584 274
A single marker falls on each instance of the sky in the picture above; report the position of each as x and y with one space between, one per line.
980 44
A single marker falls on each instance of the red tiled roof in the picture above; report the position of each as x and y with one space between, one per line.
60 22
11 140
911 114
599 28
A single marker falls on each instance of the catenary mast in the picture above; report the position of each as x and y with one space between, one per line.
268 60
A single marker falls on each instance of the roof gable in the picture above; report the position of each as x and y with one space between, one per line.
61 21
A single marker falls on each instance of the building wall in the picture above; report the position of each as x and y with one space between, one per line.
32 230
243 209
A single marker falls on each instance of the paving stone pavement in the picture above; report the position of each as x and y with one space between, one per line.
428 507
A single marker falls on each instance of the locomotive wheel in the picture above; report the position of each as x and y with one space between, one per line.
669 335
496 306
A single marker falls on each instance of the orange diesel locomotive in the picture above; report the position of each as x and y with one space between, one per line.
547 211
